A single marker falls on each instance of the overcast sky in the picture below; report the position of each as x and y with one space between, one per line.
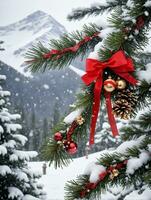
13 10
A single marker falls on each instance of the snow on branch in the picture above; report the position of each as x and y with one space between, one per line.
7 117
148 3
13 127
2 102
72 116
4 93
4 169
3 150
23 155
29 197
32 174
10 144
79 72
135 163
145 74
21 138
1 129
145 195
15 193
94 170
21 175
130 144
14 116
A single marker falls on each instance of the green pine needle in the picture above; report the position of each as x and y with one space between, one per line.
55 154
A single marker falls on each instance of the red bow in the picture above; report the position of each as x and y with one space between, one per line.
120 65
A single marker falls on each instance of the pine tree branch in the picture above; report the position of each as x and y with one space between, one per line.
54 151
75 188
144 94
145 121
128 35
80 13
39 57
55 154
82 188
136 128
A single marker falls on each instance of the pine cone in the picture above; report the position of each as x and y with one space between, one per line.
124 104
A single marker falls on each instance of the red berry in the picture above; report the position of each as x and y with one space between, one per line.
58 136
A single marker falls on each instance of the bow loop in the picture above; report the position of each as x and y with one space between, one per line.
94 65
127 67
117 59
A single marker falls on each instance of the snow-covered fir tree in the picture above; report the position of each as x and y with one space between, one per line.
103 137
17 180
117 45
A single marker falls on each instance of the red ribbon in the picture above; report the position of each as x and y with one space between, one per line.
110 114
103 175
70 49
140 22
91 186
120 65
117 166
71 130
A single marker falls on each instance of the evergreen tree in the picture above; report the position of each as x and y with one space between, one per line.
33 135
109 75
103 137
24 121
45 129
17 181
56 114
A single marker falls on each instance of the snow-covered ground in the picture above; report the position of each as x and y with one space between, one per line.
55 179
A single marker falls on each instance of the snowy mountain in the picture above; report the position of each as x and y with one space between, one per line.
20 36
42 91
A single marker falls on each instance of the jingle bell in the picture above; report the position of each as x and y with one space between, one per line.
121 84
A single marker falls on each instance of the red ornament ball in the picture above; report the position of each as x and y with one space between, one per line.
109 85
58 136
72 148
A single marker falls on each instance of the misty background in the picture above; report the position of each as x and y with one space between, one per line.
42 99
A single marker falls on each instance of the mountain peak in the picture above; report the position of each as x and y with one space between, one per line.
38 17
23 34
39 20
37 14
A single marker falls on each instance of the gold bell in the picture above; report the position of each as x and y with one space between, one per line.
121 84
114 174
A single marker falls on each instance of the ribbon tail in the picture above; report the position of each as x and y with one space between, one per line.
95 108
111 118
